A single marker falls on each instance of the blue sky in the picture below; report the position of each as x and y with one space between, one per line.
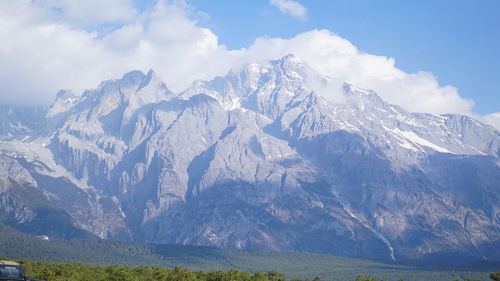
457 40
426 56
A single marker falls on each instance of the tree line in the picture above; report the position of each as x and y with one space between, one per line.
81 272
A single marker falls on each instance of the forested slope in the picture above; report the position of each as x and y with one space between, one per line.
17 245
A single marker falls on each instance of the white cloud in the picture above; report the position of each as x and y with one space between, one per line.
493 119
290 7
43 51
342 61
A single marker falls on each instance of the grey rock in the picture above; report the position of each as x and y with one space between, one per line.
258 160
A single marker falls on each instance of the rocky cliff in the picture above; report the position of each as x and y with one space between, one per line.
254 160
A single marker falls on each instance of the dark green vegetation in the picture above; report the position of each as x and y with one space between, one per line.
16 245
495 276
81 272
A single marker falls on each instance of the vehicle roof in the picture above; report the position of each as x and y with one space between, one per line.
4 262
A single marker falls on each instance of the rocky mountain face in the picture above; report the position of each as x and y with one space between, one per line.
253 160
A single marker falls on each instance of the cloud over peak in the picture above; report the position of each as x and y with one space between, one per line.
43 51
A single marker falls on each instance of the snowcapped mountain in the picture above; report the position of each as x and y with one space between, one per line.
253 160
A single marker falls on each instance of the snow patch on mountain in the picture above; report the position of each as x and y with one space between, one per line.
417 141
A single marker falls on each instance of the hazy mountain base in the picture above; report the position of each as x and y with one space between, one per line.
16 245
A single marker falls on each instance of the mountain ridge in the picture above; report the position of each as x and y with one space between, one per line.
258 160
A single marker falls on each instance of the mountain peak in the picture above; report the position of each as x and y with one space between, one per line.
133 76
65 100
130 80
291 58
290 61
353 89
152 77
65 94
362 95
